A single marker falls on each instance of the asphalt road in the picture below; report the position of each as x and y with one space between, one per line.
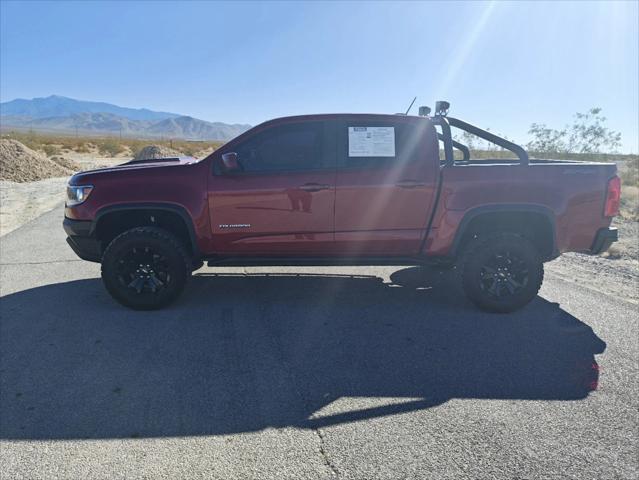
307 373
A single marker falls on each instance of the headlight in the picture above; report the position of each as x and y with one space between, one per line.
76 194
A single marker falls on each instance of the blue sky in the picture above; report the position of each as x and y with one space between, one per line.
501 65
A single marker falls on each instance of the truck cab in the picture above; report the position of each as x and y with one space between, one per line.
327 185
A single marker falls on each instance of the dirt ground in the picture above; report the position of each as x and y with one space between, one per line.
22 202
614 273
90 161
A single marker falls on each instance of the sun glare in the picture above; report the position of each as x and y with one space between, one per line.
463 50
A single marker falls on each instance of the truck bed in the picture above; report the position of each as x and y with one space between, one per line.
532 161
572 193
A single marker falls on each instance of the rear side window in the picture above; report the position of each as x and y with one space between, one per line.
283 148
379 144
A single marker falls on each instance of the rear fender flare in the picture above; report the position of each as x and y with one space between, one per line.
509 208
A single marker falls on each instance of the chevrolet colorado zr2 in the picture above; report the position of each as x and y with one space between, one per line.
342 189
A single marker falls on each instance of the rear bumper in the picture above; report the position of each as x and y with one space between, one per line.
81 240
604 238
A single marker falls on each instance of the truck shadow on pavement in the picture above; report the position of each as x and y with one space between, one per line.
240 353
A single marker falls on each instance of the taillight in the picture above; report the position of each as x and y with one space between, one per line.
613 197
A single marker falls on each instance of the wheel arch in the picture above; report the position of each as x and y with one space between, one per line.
535 222
112 220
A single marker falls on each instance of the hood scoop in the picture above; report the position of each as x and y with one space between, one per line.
153 160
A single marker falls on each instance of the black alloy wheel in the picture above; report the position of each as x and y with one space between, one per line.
501 272
145 268
504 274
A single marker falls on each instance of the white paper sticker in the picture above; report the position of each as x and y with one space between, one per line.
371 141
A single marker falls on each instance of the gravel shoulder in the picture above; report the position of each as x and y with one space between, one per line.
22 202
615 273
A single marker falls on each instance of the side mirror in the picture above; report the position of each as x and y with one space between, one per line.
230 163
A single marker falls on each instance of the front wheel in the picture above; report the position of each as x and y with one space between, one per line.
145 268
501 272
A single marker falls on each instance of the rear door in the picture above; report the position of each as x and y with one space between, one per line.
282 202
386 184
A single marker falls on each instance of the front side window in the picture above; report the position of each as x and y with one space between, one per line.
283 148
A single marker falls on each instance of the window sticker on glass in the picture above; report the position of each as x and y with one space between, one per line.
371 141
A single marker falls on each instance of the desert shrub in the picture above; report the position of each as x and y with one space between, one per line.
189 151
51 150
587 134
630 174
109 147
81 148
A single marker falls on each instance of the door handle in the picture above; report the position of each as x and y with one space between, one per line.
314 187
410 184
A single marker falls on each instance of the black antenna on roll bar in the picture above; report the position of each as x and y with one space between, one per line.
410 106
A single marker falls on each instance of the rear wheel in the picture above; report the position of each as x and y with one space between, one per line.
501 272
145 268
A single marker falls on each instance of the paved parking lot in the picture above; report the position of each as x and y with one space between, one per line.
307 373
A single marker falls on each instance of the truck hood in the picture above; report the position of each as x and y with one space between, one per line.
133 165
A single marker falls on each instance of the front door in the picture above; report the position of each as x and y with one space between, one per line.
282 200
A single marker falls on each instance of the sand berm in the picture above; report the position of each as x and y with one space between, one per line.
18 163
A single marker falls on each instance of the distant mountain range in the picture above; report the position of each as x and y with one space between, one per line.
62 114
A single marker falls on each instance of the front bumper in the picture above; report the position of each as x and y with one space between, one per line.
604 238
81 239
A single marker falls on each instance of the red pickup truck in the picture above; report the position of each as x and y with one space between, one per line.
342 189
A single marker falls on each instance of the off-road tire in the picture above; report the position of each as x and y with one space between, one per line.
479 252
176 267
